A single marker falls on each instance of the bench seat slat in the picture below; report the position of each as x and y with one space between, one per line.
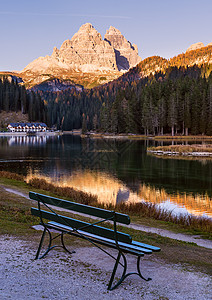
121 244
139 244
73 223
85 209
101 240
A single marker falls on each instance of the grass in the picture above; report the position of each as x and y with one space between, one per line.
15 216
137 211
162 137
184 148
200 225
176 252
183 137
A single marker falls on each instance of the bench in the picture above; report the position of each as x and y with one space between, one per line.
92 232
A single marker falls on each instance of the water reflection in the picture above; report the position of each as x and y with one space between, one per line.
109 189
114 170
195 204
27 140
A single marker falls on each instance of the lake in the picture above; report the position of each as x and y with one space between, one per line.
113 169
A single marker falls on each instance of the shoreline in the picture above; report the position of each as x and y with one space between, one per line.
146 227
180 154
129 136
132 136
206 243
182 151
32 134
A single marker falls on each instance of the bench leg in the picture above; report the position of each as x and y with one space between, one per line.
63 245
41 243
124 275
139 272
110 287
50 247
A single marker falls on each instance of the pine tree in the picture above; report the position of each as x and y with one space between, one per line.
172 112
209 114
84 124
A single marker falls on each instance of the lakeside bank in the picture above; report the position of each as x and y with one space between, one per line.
7 133
193 150
167 138
142 213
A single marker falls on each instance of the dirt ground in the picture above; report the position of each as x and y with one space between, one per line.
84 275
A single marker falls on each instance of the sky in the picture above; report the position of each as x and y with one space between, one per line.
30 29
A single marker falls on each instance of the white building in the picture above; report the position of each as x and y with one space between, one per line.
27 127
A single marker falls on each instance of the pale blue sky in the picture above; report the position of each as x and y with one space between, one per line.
30 29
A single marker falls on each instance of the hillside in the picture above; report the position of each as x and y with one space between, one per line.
9 117
201 57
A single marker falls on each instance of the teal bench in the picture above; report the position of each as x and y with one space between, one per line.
92 232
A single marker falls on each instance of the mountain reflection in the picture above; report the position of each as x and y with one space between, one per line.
109 189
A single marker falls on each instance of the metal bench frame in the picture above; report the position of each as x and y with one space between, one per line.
101 236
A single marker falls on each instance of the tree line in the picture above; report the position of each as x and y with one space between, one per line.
182 105
178 101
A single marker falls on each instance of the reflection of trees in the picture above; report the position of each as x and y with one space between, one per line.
126 160
109 189
102 153
195 204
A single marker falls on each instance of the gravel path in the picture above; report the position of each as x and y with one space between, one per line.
84 276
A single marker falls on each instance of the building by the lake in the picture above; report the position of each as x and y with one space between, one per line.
27 127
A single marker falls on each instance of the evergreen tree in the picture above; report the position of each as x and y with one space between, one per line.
84 124
172 113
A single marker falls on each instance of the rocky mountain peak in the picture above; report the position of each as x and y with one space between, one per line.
87 33
112 30
86 26
55 52
126 53
195 46
87 52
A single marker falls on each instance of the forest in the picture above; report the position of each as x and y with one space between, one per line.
178 101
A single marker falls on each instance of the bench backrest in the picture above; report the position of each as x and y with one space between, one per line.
76 224
82 208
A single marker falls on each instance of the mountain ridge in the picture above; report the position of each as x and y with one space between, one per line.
119 55
85 53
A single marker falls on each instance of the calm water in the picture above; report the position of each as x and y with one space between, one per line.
115 170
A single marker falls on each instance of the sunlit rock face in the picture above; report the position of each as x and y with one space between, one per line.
195 46
126 53
88 52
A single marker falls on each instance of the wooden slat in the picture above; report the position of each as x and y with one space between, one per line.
85 209
153 248
73 223
103 239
